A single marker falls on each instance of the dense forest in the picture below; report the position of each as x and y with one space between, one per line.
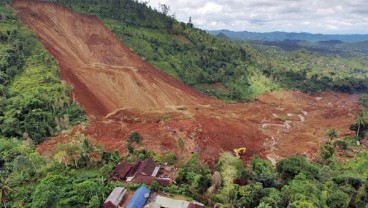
35 105
315 67
34 102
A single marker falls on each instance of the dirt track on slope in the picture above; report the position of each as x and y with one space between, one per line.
122 93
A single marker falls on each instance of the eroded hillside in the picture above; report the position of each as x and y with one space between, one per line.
105 75
122 93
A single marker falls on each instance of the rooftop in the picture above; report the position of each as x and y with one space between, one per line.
115 197
139 198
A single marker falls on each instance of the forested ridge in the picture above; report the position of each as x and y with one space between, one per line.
35 104
315 67
281 36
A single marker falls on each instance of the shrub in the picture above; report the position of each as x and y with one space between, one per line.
363 100
337 199
47 192
169 158
341 144
155 186
135 137
95 202
332 133
130 148
326 152
300 191
352 181
292 166
262 171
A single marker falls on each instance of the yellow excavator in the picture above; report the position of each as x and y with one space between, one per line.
240 151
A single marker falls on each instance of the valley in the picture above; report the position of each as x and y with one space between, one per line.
122 93
118 104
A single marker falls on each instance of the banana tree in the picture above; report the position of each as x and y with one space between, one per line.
4 192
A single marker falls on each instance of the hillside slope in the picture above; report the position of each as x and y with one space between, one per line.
34 101
105 74
127 94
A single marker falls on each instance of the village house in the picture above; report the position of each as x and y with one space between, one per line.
115 198
165 202
143 197
144 172
139 198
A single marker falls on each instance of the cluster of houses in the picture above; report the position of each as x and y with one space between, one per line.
144 172
144 198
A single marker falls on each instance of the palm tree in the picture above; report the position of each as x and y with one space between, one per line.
361 121
4 192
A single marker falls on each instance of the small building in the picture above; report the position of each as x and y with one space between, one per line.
171 203
166 202
147 168
115 198
139 198
122 170
145 172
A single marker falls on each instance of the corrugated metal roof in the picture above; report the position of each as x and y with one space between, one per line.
147 167
122 169
116 196
139 198
157 168
171 203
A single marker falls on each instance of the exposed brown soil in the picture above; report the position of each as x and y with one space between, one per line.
122 93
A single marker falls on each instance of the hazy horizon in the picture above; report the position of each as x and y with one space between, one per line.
314 33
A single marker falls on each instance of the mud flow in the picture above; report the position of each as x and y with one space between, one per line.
122 93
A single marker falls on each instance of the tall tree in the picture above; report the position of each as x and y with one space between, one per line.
361 121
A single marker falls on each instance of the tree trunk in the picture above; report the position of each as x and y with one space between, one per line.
358 130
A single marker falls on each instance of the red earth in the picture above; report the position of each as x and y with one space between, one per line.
121 93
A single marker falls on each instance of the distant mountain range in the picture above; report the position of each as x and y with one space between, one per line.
281 36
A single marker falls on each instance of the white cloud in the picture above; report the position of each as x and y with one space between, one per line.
316 16
209 8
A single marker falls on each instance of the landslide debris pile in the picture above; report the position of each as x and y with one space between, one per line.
105 74
124 94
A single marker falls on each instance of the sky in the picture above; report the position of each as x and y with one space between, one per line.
314 16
